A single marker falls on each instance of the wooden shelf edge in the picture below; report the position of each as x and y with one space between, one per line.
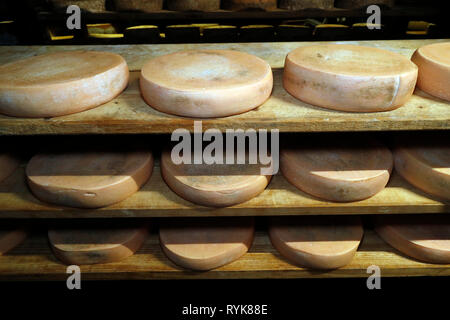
33 260
155 199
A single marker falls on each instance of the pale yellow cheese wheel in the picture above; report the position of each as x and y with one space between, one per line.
206 83
214 185
317 242
204 244
88 179
349 77
92 245
433 61
61 83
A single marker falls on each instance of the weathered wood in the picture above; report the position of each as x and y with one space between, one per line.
33 260
155 199
128 113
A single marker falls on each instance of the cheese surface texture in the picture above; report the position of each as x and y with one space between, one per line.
8 164
215 185
423 237
433 61
204 244
206 83
349 77
342 172
10 238
88 179
90 245
61 83
317 242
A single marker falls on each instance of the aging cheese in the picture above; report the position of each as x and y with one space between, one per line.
8 163
348 171
249 4
88 179
433 61
193 5
10 238
317 242
425 164
349 78
423 237
206 83
92 245
204 244
215 185
306 4
61 83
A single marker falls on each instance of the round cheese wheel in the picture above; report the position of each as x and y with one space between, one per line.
8 164
91 245
423 237
349 78
193 5
425 164
10 238
61 83
205 244
88 179
338 171
215 185
433 61
206 83
249 4
317 242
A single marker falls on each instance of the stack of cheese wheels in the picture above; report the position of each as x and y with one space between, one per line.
249 4
317 242
61 83
8 164
347 171
349 78
433 61
94 244
206 83
193 5
424 161
423 237
88 179
10 237
215 185
205 244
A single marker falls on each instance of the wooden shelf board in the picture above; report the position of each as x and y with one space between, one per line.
155 199
128 113
33 260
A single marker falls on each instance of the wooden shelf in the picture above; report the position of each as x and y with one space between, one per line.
33 260
164 15
155 199
128 113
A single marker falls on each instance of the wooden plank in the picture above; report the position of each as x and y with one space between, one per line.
128 113
33 260
155 199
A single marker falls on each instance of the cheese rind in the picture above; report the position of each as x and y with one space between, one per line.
205 244
10 238
426 166
348 172
349 78
433 61
96 245
213 185
206 83
61 83
88 180
8 164
423 237
317 242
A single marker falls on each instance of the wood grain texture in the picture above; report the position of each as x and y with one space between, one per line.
33 260
128 113
155 199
